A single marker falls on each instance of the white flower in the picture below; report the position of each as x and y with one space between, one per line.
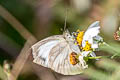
88 42
91 35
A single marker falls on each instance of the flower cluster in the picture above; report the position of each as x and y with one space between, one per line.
117 35
88 42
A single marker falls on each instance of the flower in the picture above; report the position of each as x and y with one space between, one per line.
89 40
117 35
79 37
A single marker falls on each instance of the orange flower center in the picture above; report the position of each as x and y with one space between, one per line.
73 58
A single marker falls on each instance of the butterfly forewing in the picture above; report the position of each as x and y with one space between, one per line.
41 49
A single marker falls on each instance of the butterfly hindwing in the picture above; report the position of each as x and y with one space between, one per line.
59 60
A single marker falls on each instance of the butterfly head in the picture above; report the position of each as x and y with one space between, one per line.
68 36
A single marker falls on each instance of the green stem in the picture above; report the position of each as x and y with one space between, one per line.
97 57
114 55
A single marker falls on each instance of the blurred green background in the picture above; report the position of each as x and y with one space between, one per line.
44 18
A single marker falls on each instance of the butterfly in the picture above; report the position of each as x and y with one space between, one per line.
61 54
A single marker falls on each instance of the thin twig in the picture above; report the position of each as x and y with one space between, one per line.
15 23
22 58
112 48
26 35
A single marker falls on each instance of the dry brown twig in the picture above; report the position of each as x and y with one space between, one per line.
15 23
24 54
21 59
26 35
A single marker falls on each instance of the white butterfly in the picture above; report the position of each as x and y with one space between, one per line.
54 52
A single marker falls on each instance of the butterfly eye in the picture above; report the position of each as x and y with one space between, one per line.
69 37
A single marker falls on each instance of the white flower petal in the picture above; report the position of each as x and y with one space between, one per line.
83 63
91 32
92 54
98 38
96 23
94 46
85 53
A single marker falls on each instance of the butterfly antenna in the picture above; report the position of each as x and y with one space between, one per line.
66 12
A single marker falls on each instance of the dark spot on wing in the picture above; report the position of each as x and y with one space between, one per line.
43 59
